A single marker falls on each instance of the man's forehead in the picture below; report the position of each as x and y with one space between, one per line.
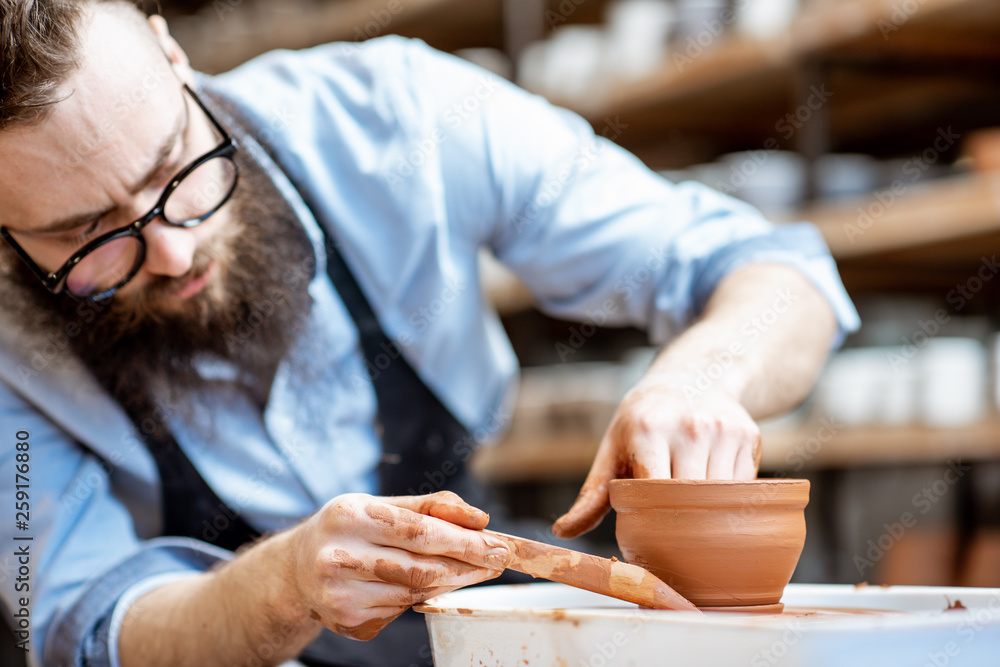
115 110
123 79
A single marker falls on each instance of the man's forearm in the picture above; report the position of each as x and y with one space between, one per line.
763 339
353 566
241 613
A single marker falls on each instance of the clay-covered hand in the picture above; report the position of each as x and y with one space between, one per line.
362 560
666 430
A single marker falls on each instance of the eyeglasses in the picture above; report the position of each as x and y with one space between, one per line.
103 266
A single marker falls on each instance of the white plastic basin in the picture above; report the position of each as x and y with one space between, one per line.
548 625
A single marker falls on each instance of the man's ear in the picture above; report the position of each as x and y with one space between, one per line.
171 49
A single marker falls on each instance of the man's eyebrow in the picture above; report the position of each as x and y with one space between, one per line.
160 161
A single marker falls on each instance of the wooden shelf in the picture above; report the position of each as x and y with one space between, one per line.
221 37
923 236
788 450
885 71
845 30
913 218
536 458
800 449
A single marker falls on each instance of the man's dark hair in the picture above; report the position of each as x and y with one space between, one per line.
38 51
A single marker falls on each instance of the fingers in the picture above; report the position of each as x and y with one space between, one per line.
722 461
384 522
593 503
362 560
386 602
447 506
413 572
707 447
649 454
400 568
358 593
748 460
369 629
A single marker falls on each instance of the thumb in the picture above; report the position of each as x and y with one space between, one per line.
593 503
590 508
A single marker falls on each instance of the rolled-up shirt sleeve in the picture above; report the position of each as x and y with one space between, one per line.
84 551
593 232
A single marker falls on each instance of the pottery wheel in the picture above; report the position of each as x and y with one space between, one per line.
810 613
775 608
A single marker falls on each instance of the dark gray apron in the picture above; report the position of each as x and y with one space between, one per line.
424 446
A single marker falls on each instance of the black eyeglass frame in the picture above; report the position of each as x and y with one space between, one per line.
55 281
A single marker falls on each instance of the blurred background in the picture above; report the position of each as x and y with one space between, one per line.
877 120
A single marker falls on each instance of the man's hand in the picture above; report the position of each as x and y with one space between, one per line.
361 561
769 332
658 432
353 566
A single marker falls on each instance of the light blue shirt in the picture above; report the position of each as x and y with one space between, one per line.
421 160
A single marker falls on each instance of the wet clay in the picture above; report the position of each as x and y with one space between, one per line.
717 543
381 514
592 573
365 631
344 560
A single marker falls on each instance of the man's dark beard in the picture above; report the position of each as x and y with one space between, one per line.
144 353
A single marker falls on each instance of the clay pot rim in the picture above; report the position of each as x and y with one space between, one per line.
707 482
763 494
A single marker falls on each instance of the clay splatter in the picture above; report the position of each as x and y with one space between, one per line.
958 606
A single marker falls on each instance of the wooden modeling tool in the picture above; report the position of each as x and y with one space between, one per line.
613 578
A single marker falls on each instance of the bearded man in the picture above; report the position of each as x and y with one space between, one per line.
238 406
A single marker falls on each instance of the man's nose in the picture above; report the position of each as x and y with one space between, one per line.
169 249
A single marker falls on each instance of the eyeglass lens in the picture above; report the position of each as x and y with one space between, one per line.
201 191
197 196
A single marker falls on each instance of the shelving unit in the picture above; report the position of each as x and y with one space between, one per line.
889 74
910 222
893 77
897 73
229 32
925 238
792 451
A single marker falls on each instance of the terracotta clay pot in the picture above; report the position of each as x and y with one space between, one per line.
717 543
